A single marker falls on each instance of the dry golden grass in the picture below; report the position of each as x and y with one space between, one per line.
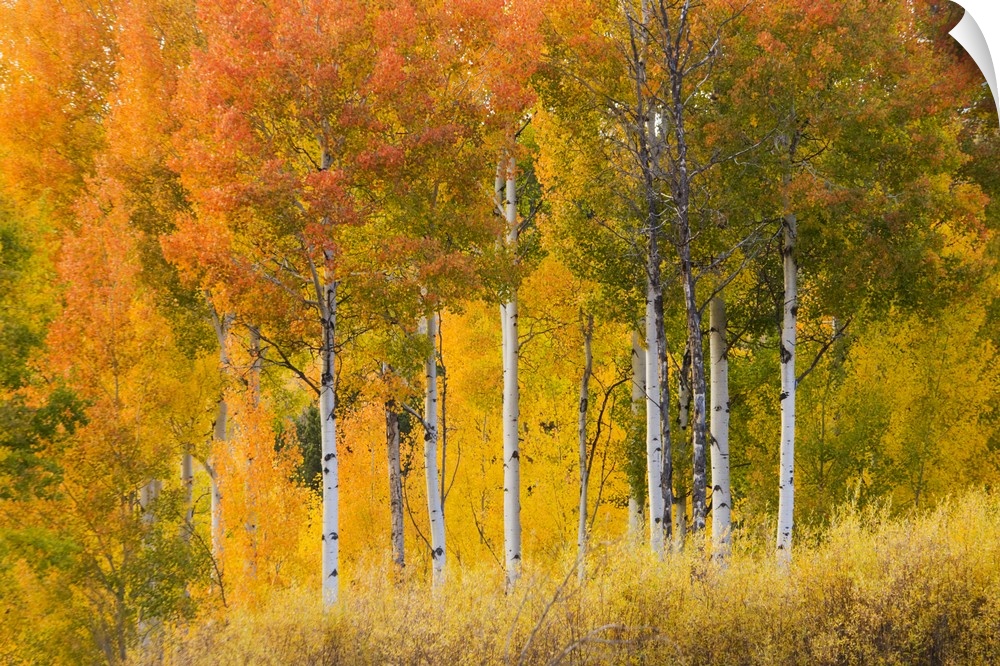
869 590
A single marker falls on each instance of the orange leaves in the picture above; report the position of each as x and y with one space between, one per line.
389 73
58 60
199 248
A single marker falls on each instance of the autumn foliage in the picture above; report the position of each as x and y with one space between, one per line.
202 202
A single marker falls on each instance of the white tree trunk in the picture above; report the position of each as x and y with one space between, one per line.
212 468
635 506
438 552
328 431
511 405
588 365
148 494
148 625
187 483
654 449
786 479
221 433
253 387
684 392
395 484
721 491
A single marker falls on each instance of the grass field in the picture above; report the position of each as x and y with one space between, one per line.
868 589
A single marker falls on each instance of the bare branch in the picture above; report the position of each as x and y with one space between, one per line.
826 346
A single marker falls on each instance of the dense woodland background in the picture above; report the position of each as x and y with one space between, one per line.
262 263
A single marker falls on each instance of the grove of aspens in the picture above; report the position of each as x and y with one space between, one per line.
497 332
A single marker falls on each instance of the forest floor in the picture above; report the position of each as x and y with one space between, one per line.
869 588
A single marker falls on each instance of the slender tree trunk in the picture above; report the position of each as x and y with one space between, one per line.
786 479
395 483
657 456
636 501
187 483
213 474
667 468
149 626
682 201
649 148
148 494
256 364
511 405
684 391
438 552
681 186
681 494
328 433
443 429
253 387
588 366
635 518
221 434
699 429
721 492
683 422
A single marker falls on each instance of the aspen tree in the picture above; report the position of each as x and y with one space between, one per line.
790 309
635 505
721 490
588 368
395 485
511 392
433 481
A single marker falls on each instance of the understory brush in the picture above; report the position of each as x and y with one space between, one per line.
868 589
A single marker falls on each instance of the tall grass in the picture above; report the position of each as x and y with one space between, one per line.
870 589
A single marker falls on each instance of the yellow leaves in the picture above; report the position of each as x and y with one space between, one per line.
266 515
938 376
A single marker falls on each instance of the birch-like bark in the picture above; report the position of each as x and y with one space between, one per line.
658 523
438 552
648 149
328 433
395 484
721 492
684 392
699 426
681 494
256 364
786 478
443 427
667 468
253 388
148 494
683 423
635 504
211 467
187 484
588 366
511 405
681 178
149 626
221 434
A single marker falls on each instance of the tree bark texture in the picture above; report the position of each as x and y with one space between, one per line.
395 484
635 501
721 491
187 483
436 517
221 434
786 472
588 366
328 431
511 404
